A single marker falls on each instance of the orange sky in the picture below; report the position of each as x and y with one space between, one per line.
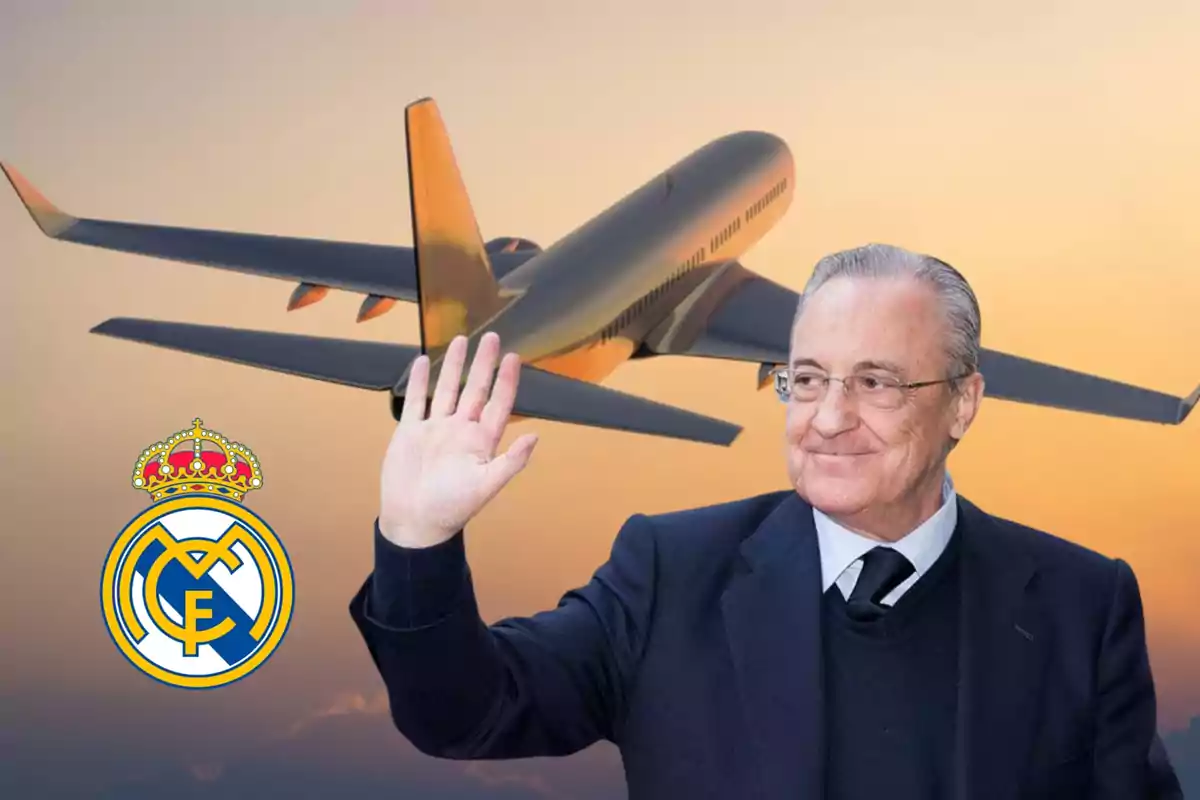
1045 149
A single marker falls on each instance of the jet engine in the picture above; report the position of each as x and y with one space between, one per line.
511 244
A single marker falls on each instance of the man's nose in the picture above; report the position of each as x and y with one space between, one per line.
835 412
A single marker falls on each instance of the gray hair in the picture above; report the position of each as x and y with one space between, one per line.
888 261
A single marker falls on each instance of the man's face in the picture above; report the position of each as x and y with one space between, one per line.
845 456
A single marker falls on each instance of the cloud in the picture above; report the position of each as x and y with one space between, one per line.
345 703
348 746
489 774
1183 746
207 772
494 775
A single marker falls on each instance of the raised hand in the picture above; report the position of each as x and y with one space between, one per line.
439 472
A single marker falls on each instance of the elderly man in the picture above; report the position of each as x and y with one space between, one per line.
867 633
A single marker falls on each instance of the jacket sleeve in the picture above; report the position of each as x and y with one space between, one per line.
1126 710
545 685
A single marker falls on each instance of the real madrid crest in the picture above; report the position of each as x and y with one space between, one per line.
197 589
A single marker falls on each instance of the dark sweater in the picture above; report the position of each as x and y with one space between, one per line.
890 692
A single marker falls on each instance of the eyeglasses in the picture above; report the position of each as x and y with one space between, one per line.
879 391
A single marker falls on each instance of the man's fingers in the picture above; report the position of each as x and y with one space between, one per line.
504 467
415 392
475 393
446 394
504 393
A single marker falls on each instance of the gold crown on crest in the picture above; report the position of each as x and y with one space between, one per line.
183 463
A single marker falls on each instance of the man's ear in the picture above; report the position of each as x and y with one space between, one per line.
966 404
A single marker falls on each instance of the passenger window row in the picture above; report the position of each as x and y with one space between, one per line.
766 200
630 313
753 211
726 234
696 260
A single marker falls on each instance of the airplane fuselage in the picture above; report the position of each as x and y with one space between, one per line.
587 301
657 273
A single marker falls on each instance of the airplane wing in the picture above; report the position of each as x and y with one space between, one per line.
739 315
545 395
386 273
378 365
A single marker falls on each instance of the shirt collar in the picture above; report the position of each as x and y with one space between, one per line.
841 547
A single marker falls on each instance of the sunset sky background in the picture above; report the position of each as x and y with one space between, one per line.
1047 149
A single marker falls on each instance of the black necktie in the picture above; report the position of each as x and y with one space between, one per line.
883 570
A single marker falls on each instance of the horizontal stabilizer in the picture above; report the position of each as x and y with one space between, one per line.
545 395
366 365
1025 381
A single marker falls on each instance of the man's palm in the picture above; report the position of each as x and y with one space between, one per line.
441 469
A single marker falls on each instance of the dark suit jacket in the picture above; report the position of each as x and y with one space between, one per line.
696 649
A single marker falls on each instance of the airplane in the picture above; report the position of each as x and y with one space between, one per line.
657 273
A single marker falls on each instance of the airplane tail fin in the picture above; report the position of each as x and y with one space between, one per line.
456 289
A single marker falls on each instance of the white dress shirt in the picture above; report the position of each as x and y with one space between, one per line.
842 549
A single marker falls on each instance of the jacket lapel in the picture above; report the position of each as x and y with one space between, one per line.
1001 653
772 611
